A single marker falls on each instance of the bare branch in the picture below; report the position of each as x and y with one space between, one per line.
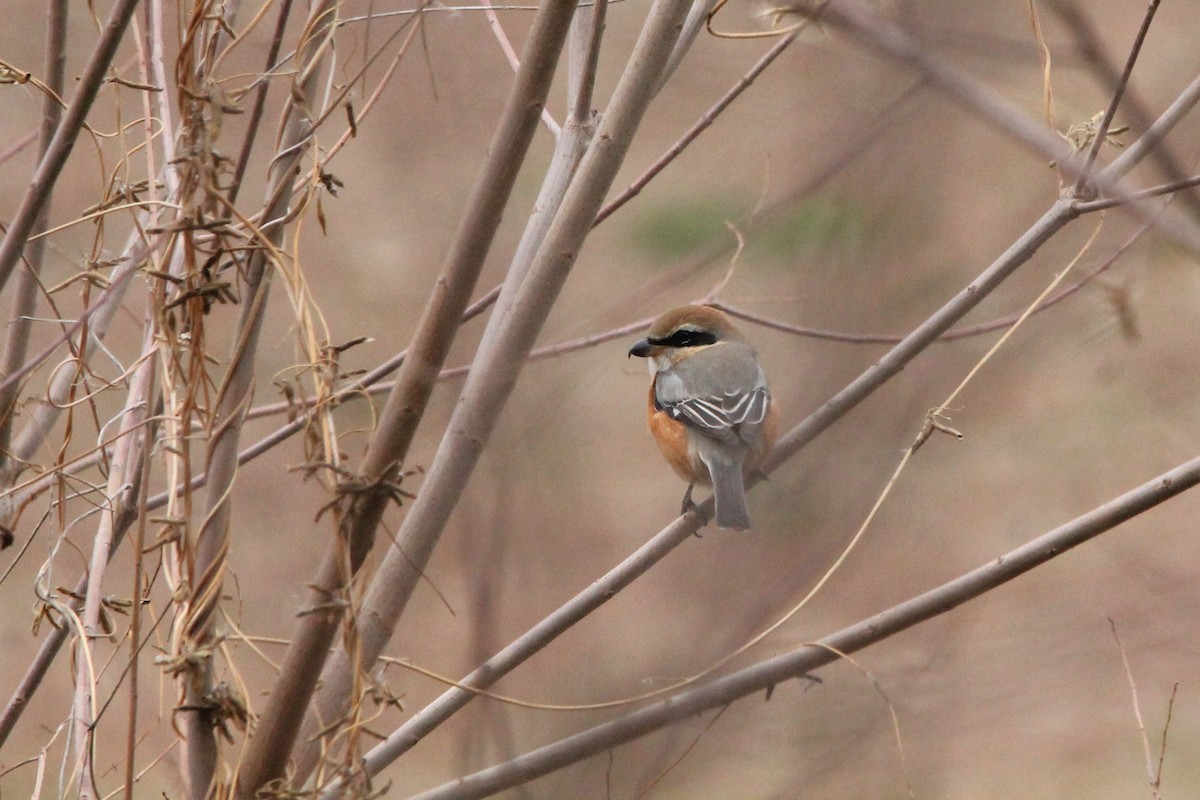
1135 113
954 334
195 637
804 660
269 748
1110 112
51 165
890 40
16 340
260 101
497 367
1149 140
702 124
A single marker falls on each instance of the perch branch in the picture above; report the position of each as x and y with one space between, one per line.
771 672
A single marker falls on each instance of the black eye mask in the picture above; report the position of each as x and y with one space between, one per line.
686 338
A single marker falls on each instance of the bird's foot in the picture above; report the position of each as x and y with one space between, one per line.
690 505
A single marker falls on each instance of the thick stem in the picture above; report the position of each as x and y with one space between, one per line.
511 338
212 542
266 756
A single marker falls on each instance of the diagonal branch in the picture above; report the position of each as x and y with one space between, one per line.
51 165
1102 131
268 750
767 674
16 341
893 42
507 344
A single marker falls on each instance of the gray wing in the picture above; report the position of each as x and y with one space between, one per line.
720 391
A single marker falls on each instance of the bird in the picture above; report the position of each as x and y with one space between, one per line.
709 408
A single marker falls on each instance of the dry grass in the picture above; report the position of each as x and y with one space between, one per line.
854 202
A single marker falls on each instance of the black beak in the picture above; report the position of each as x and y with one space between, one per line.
640 349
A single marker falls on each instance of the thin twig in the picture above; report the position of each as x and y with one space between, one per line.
510 55
1137 710
260 101
1110 112
135 612
698 127
1091 48
1162 751
1144 194
51 165
952 335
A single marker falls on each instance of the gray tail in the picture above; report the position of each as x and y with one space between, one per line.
729 488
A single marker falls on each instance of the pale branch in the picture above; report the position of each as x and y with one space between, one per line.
260 102
1144 194
121 493
893 42
1101 134
61 144
16 337
18 144
692 25
269 748
702 124
1135 114
494 375
514 62
767 674
952 335
195 626
583 60
569 148
1149 141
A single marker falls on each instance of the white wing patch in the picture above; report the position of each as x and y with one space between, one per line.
718 416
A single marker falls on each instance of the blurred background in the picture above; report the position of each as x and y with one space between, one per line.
865 200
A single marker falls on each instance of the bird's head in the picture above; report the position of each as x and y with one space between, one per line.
681 332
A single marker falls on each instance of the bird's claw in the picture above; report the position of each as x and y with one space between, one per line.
690 505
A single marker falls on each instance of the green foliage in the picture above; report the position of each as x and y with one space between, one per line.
818 225
673 230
